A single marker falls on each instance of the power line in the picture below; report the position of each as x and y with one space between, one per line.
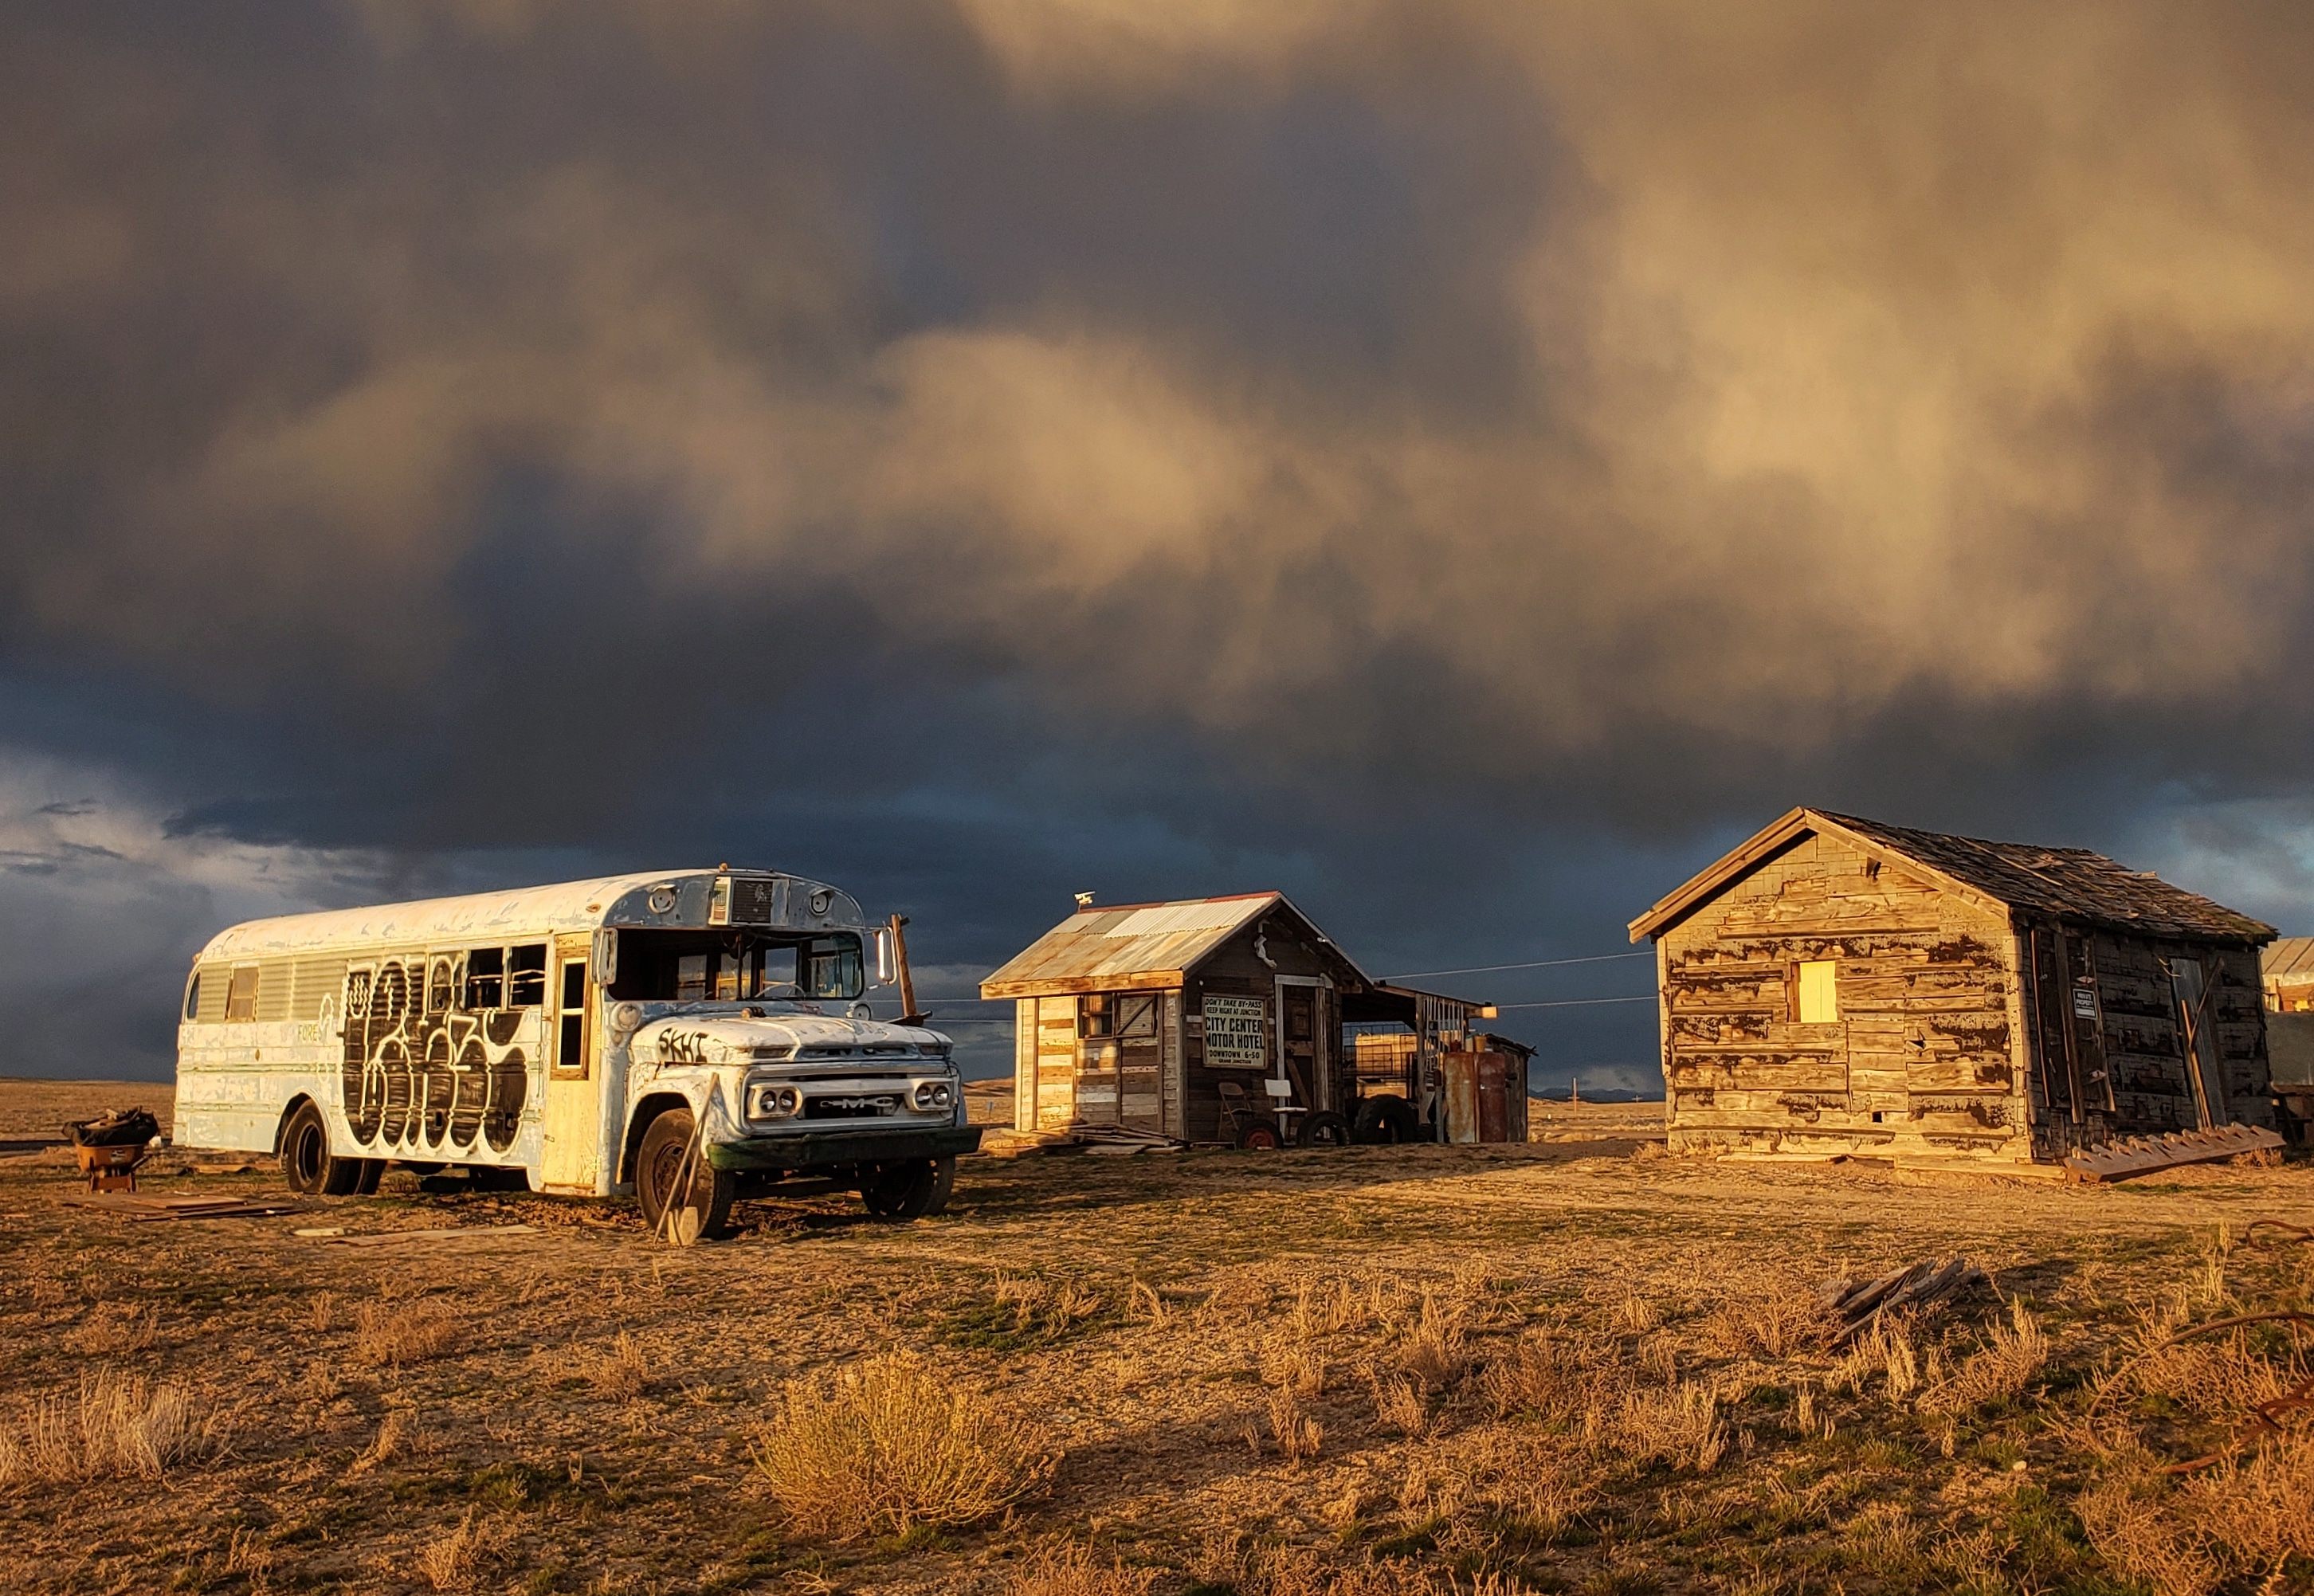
1540 964
1579 1002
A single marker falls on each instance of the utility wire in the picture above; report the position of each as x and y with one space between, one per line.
1579 1002
1540 964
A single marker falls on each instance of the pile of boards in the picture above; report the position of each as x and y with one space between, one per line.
1856 1303
140 1208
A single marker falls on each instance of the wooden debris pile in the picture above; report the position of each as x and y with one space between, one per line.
1856 1303
2141 1155
142 1208
1121 1140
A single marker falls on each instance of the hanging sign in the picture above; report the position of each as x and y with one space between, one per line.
1234 1038
2085 1003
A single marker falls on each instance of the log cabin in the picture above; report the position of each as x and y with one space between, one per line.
1204 1019
1836 986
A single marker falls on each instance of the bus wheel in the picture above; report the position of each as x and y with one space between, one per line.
1325 1128
911 1190
1259 1133
683 1197
307 1164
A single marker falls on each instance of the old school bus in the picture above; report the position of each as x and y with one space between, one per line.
691 1037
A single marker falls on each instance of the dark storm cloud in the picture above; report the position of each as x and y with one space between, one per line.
1459 462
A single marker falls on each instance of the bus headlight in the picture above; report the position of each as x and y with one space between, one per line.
773 1102
933 1096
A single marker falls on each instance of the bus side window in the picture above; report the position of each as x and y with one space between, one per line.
485 978
526 976
193 997
241 996
438 986
691 977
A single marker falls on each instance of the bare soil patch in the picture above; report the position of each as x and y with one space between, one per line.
1577 1365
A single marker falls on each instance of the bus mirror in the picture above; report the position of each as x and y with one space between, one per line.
606 958
884 960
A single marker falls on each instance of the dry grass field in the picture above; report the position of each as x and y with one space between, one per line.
1581 1365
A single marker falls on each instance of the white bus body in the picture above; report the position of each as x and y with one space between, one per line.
542 1036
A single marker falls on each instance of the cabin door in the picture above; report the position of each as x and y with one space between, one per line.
2054 1068
574 1083
2197 1042
1306 1053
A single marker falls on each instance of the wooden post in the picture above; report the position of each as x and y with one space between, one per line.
908 1014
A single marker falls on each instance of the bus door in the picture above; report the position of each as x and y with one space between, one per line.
574 1080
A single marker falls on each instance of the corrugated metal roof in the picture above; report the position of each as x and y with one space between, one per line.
2289 960
1149 943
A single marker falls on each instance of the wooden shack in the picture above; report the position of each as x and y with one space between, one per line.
2288 971
1840 986
1191 1019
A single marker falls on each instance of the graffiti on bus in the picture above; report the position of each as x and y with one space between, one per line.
424 1073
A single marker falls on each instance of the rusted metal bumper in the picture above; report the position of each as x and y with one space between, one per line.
821 1150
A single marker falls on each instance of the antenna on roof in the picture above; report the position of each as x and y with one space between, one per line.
1084 900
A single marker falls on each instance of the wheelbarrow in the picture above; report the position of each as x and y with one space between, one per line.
110 1146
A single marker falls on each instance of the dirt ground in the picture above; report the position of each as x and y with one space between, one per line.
1581 1364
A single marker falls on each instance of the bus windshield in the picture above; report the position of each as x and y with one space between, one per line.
734 966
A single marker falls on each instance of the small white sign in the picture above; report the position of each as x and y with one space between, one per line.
1234 1038
2084 1002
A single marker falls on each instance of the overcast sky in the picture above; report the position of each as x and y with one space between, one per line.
1464 464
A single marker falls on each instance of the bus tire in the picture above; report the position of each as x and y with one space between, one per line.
912 1190
1387 1119
683 1197
1259 1133
372 1171
1325 1128
308 1164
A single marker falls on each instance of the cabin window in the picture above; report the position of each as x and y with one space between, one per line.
241 996
526 976
1815 993
1120 1014
485 979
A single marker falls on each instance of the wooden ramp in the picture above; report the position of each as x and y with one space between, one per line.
2141 1155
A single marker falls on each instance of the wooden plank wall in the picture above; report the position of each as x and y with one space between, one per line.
1927 1054
2143 1044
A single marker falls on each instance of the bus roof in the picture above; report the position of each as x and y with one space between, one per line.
525 912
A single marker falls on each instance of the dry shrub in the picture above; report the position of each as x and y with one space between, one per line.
2013 1354
454 1559
1284 1429
1296 1364
1884 1535
619 1372
1434 1351
1886 1350
397 1433
889 1444
1073 1571
115 1425
1294 1571
387 1337
2185 1536
1145 1305
321 1312
1634 1315
112 1328
1556 1377
1679 1425
1400 1405
1779 1318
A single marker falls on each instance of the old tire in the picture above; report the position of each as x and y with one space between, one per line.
308 1164
1388 1118
683 1197
1325 1128
1259 1133
366 1177
911 1190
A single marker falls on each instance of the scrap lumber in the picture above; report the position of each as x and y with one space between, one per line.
440 1236
141 1208
1125 1138
1856 1303
2141 1155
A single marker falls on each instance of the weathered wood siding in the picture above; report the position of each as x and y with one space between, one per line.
2143 1041
1925 1055
1248 965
